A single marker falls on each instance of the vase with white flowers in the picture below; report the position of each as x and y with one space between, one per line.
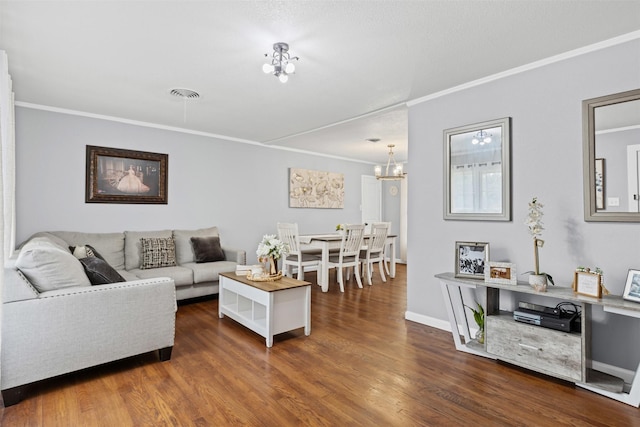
537 279
269 251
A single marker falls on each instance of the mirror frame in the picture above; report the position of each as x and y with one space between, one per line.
505 215
589 157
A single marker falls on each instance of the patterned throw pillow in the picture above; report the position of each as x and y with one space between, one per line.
158 252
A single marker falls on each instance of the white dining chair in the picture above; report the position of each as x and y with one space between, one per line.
348 257
374 253
386 249
296 258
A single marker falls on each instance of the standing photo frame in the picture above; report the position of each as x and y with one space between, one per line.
471 259
503 273
632 287
588 283
115 175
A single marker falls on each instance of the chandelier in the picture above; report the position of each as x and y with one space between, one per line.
481 138
393 170
280 65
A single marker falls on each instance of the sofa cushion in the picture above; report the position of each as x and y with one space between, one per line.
210 271
45 236
99 272
184 250
133 248
49 267
110 245
180 275
158 252
207 249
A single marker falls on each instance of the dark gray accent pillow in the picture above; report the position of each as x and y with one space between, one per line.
207 249
99 271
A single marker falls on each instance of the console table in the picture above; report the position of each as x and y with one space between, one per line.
267 308
565 355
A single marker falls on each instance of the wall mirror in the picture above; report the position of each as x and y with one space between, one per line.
477 174
611 157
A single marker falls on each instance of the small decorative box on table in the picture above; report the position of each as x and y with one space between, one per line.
267 308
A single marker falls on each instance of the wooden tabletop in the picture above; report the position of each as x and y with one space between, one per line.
277 285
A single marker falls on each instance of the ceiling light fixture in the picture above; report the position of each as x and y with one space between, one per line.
281 65
396 168
481 138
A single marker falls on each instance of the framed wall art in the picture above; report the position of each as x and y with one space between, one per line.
471 259
315 189
632 287
115 175
500 272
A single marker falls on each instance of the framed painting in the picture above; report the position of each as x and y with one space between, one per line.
315 189
471 259
117 175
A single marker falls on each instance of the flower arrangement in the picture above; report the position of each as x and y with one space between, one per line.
271 247
534 222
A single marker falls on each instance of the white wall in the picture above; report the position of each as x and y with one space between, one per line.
545 106
241 188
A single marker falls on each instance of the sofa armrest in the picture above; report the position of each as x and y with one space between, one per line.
237 255
69 329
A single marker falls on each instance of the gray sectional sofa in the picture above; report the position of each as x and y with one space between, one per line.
60 314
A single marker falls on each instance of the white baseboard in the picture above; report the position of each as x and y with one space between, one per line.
427 320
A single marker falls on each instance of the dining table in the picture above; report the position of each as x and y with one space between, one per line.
328 241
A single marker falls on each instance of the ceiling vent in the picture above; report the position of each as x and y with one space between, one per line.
185 93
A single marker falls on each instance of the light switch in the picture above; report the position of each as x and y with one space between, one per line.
613 201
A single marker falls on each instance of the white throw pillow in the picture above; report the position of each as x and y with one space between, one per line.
49 267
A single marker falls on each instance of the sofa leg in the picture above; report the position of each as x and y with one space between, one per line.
165 353
14 395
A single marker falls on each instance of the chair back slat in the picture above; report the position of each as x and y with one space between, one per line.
352 240
378 237
288 234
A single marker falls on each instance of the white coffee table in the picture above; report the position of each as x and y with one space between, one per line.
267 308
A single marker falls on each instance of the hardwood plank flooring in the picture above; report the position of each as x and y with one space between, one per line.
362 365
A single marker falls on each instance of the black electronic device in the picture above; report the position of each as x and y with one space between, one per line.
566 322
530 307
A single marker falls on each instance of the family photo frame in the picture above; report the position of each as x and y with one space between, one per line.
503 273
632 286
471 259
115 175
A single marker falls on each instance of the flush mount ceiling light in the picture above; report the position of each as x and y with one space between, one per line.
280 65
481 138
392 166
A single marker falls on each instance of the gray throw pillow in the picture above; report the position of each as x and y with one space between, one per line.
99 271
207 249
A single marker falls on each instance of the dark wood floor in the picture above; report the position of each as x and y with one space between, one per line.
363 364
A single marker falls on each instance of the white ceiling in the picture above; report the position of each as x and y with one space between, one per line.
360 61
